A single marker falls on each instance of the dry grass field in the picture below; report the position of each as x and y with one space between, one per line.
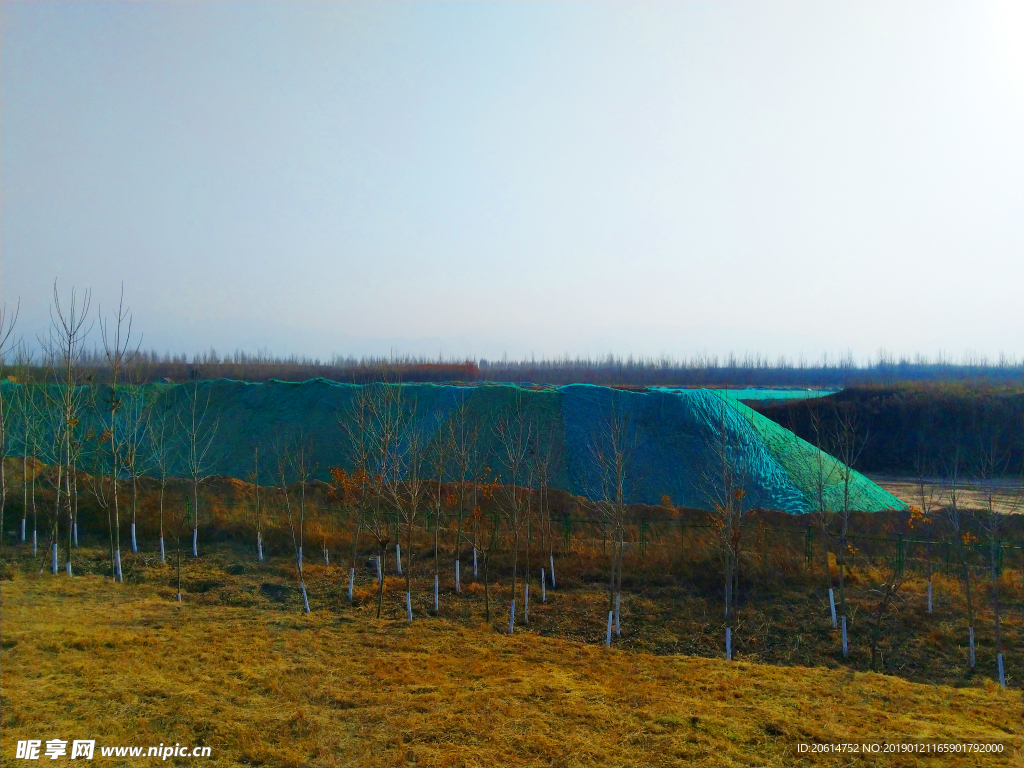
267 685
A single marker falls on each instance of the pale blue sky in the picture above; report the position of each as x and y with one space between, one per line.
542 179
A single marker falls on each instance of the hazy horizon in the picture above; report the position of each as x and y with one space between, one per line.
473 180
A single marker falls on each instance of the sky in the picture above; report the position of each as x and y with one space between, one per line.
487 179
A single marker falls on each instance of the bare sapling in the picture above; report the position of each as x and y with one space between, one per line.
197 433
889 591
406 482
849 436
69 327
116 334
158 444
134 421
823 478
440 452
992 460
23 404
724 484
962 538
382 437
610 450
463 434
513 431
8 319
286 467
353 489
927 498
257 516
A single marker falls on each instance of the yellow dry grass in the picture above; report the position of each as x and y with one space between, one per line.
126 665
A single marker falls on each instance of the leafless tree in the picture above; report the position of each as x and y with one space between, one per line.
159 445
823 478
405 483
64 346
383 435
440 452
724 482
513 430
849 436
961 538
463 434
292 463
611 451
134 419
116 333
992 460
8 319
357 427
198 430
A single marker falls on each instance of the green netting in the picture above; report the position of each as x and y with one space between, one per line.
676 446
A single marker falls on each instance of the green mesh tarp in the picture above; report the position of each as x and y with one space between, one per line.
675 447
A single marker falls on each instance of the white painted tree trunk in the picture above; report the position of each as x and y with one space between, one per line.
398 558
1002 673
163 555
351 582
458 583
23 521
35 544
195 542
618 625
435 594
552 558
543 587
526 602
68 565
408 606
380 576
970 631
846 648
259 547
53 565
117 565
74 534
608 632
305 598
728 643
135 546
832 605
474 563
300 558
512 618
327 557
929 595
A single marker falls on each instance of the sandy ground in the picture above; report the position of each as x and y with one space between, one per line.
1007 495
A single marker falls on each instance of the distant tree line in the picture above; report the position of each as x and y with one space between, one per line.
701 370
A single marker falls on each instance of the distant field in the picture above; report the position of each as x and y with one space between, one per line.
1007 495
263 684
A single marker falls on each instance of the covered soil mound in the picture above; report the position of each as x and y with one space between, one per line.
676 443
